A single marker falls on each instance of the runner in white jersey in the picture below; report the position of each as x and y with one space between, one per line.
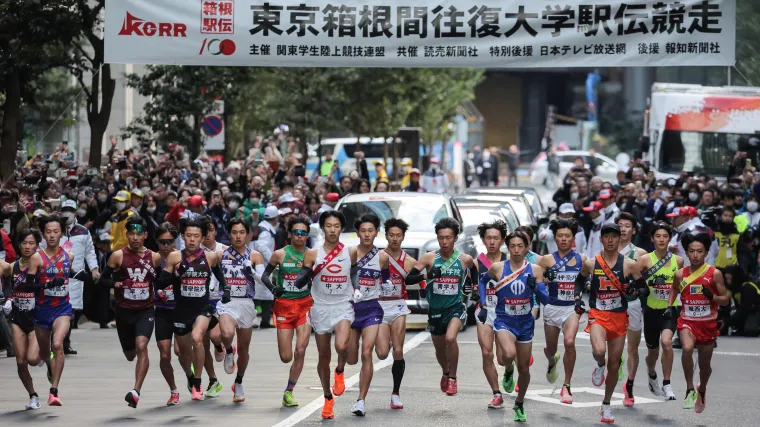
372 272
213 335
330 269
393 301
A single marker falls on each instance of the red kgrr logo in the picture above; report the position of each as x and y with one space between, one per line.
134 26
215 47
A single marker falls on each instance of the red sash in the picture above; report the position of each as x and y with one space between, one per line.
328 259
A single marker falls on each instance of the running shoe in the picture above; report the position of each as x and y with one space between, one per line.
238 393
654 387
229 360
34 403
444 383
287 399
551 373
396 402
620 367
339 386
41 363
531 361
496 402
606 413
452 389
667 391
132 398
628 399
219 355
197 394
701 402
598 377
508 381
690 400
358 409
520 416
565 396
327 410
173 400
214 389
54 400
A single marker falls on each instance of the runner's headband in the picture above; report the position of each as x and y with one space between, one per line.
135 227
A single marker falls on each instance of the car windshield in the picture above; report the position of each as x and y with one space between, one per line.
533 200
697 152
474 216
521 210
419 216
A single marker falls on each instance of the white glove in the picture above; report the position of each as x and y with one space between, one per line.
7 307
357 295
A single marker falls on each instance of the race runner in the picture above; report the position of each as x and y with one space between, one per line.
291 304
19 292
213 335
659 269
701 289
372 272
493 236
52 312
607 320
330 268
561 269
190 270
393 301
130 272
450 274
628 228
518 281
241 266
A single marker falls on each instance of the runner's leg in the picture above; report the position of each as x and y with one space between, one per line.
439 343
569 332
666 341
598 337
486 341
20 345
506 341
342 330
383 343
353 346
687 359
243 350
43 343
523 352
143 363
32 349
398 334
323 366
303 334
704 354
285 344
615 349
198 348
369 336
165 363
60 329
226 330
452 347
634 340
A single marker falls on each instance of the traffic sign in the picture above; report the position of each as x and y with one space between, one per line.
212 126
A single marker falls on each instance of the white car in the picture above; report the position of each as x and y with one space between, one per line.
606 168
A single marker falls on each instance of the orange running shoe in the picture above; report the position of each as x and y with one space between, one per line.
340 384
327 410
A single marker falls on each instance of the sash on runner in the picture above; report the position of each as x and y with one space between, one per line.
511 278
367 257
189 260
562 262
484 260
328 259
51 261
694 276
449 262
240 258
660 263
610 275
399 268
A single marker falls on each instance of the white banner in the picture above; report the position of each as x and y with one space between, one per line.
422 33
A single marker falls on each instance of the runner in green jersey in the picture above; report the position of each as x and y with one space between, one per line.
450 274
292 304
659 267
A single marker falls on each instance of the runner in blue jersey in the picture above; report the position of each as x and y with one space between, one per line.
560 271
518 281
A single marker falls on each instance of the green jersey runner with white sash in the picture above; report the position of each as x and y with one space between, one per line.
444 294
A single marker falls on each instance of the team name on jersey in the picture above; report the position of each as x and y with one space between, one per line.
292 264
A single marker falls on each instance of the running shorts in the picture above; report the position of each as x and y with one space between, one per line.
557 315
366 314
704 331
521 328
490 317
614 323
438 322
635 315
185 319
164 324
291 313
654 324
45 316
393 309
324 317
243 310
22 319
131 324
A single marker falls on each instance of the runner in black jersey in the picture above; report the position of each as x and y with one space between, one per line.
190 272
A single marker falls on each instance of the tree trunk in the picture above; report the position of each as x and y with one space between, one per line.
385 153
11 118
102 88
396 167
195 143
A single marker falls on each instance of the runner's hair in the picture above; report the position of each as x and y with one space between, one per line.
136 220
47 219
30 232
167 227
700 237
497 225
627 216
449 223
367 217
332 214
298 219
528 230
519 234
661 225
396 222
560 223
186 223
235 221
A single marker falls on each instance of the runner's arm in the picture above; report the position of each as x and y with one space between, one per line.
114 262
482 288
416 276
266 279
722 298
305 275
166 277
675 289
580 279
216 270
542 295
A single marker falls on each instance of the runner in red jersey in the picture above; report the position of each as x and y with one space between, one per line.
131 272
702 289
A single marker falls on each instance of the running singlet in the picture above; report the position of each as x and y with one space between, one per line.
237 272
630 252
369 276
53 267
287 274
696 306
661 282
514 297
397 288
22 301
332 285
445 292
490 301
562 288
214 293
605 295
168 292
136 275
194 278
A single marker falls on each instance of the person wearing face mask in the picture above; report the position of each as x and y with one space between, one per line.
686 220
752 214
118 220
594 242
692 198
434 180
729 239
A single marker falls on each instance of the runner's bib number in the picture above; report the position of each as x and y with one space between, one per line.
392 288
289 282
58 291
139 291
191 289
169 292
517 306
24 301
566 285
697 310
446 285
238 286
491 298
661 292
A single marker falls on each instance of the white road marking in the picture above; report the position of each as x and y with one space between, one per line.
540 395
317 403
734 353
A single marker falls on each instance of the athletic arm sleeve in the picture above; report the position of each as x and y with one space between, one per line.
163 281
7 287
483 287
31 284
541 293
219 274
304 277
470 281
385 275
266 277
414 277
258 273
355 276
580 284
106 278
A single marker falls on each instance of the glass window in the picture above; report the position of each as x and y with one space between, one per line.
420 217
697 152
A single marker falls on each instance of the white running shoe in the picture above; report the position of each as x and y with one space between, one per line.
396 402
606 412
597 377
654 387
229 360
219 355
358 408
33 404
41 363
667 391
239 393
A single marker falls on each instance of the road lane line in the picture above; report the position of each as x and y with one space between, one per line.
317 403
